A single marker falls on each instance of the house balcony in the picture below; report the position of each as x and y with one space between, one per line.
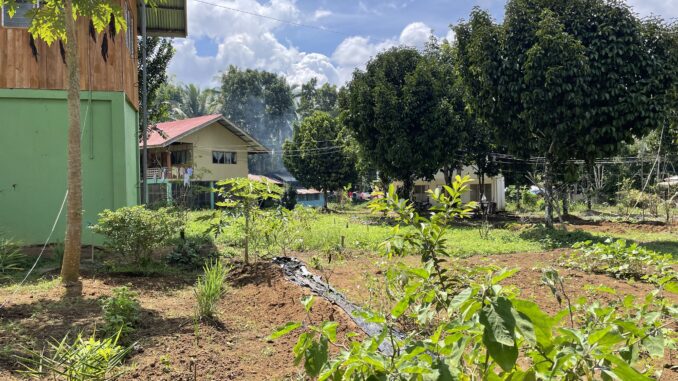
166 173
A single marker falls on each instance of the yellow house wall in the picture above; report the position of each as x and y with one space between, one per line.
216 138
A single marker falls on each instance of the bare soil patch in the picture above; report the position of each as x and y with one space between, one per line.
170 347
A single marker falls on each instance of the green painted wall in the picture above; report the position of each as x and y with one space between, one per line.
33 130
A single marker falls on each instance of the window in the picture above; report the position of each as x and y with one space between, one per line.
21 18
129 33
181 157
221 157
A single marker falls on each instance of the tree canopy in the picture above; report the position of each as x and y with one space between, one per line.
402 114
317 154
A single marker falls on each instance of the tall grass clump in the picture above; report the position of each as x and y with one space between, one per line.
209 288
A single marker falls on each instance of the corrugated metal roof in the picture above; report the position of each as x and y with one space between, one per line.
176 130
166 18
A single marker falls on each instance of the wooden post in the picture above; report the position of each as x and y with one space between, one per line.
342 241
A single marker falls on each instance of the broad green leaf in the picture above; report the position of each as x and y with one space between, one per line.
330 330
284 330
308 302
504 355
498 321
316 357
501 275
400 307
460 298
624 371
540 321
654 345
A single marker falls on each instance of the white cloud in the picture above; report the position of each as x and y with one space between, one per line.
247 41
416 35
667 9
321 13
450 35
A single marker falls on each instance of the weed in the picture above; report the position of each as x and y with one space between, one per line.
121 311
11 258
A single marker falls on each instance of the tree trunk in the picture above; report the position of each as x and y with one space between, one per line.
324 199
447 174
548 195
70 268
566 203
408 184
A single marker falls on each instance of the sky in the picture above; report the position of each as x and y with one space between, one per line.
338 37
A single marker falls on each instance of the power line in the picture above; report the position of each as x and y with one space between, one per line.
273 18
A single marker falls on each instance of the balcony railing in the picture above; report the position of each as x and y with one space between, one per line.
166 173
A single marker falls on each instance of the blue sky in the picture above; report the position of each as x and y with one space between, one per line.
355 31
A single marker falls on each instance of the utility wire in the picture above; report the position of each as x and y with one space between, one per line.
273 18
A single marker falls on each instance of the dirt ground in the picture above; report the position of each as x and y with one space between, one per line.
236 349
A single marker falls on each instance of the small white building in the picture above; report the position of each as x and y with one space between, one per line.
494 188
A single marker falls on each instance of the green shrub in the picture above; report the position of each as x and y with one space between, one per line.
136 231
192 252
121 311
84 359
11 257
209 288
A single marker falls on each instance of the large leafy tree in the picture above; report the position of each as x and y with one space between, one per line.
262 103
160 52
477 50
317 98
55 21
618 92
398 113
318 154
554 83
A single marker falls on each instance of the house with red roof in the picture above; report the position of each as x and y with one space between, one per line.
190 155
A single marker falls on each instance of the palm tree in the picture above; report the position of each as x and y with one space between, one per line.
195 102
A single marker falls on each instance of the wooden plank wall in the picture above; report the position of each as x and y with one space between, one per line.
20 70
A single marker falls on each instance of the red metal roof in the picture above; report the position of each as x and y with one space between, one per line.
177 129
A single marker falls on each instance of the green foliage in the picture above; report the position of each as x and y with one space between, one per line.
81 360
192 252
621 260
121 312
194 102
48 20
289 198
159 54
209 288
317 155
279 230
244 197
464 325
402 115
136 231
313 98
11 257
555 238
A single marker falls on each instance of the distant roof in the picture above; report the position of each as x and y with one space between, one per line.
307 191
283 177
263 179
166 18
178 129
